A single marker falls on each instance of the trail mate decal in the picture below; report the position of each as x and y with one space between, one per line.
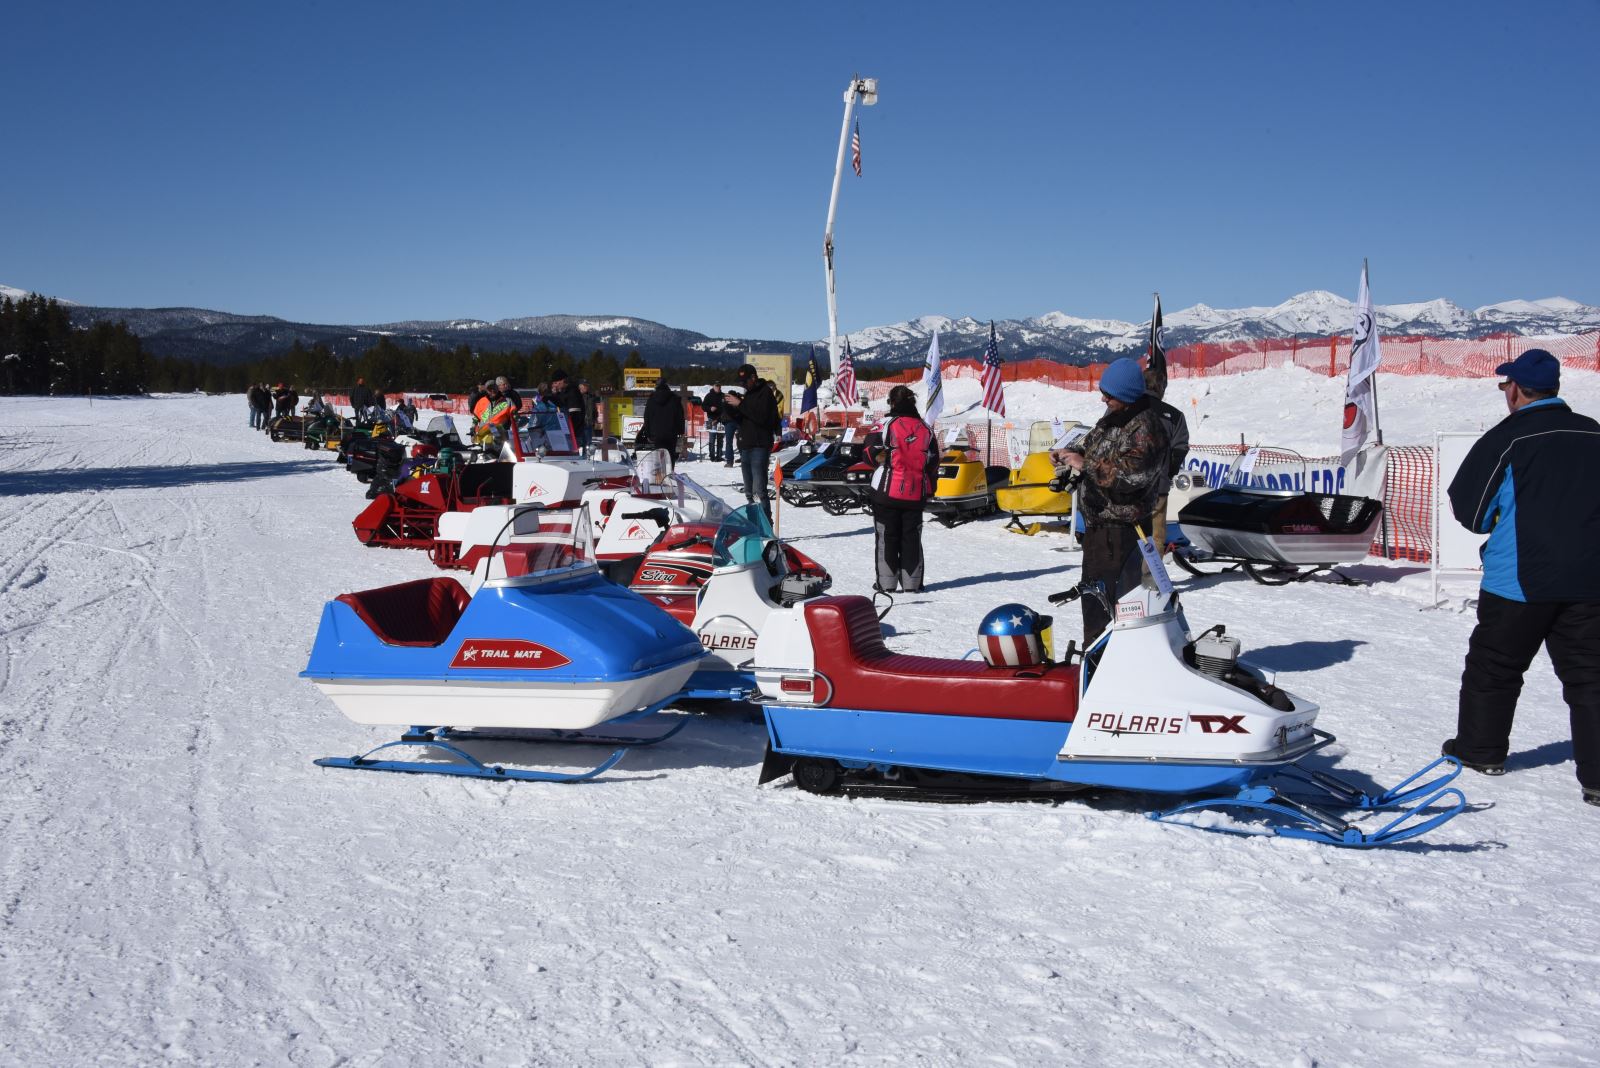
511 653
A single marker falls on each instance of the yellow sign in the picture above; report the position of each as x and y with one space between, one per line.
640 378
776 367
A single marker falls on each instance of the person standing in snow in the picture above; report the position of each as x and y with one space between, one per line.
491 418
1532 483
663 421
360 399
266 408
512 397
711 404
756 413
1124 464
729 427
569 398
1155 384
908 464
591 416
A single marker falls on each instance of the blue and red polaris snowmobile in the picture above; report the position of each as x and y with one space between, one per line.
1148 707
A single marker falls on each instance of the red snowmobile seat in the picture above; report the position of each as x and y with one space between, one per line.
527 557
420 613
848 644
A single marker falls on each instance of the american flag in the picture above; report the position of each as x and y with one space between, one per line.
994 394
844 377
855 149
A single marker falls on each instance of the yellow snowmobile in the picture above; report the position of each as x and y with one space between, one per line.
965 489
1030 495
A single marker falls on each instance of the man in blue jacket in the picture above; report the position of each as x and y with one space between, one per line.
1532 484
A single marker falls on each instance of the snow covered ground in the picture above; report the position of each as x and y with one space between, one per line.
179 884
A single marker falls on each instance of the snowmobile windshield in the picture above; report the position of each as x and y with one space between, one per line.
548 543
543 429
742 536
695 502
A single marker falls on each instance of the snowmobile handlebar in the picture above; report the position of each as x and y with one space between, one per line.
1093 589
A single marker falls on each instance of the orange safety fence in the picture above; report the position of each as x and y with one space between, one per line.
1330 356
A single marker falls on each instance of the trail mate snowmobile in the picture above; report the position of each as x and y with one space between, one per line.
1150 707
552 653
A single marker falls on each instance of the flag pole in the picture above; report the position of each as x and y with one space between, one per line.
1377 424
867 90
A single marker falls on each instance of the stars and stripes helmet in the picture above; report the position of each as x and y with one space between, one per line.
1013 636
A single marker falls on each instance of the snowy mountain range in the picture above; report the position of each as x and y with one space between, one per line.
224 337
1316 313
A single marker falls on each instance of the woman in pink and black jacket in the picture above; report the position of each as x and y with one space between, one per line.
908 463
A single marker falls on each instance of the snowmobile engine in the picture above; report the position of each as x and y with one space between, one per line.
1216 654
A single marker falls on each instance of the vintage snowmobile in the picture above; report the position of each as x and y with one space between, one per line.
325 433
831 483
556 650
292 427
527 470
796 472
1034 495
1149 706
966 488
630 517
726 592
1277 536
721 579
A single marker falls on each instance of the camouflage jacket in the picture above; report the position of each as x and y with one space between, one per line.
1124 465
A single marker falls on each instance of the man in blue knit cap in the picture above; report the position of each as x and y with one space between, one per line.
1532 483
1124 465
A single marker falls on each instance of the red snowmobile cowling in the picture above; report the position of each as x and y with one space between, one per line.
407 516
672 574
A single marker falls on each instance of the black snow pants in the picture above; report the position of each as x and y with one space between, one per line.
1502 646
899 533
1110 555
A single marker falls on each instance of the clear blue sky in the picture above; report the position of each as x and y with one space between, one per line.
345 162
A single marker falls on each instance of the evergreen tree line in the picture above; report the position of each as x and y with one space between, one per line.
42 353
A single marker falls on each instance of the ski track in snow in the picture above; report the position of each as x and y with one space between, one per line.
178 883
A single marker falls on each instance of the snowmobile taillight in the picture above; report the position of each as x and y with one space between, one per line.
812 689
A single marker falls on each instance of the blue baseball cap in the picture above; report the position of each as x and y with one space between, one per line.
1535 369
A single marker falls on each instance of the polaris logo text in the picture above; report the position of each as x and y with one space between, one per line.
728 641
1117 723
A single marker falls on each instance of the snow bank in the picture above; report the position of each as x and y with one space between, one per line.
179 883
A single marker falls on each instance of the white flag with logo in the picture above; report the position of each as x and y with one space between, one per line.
1360 413
932 383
